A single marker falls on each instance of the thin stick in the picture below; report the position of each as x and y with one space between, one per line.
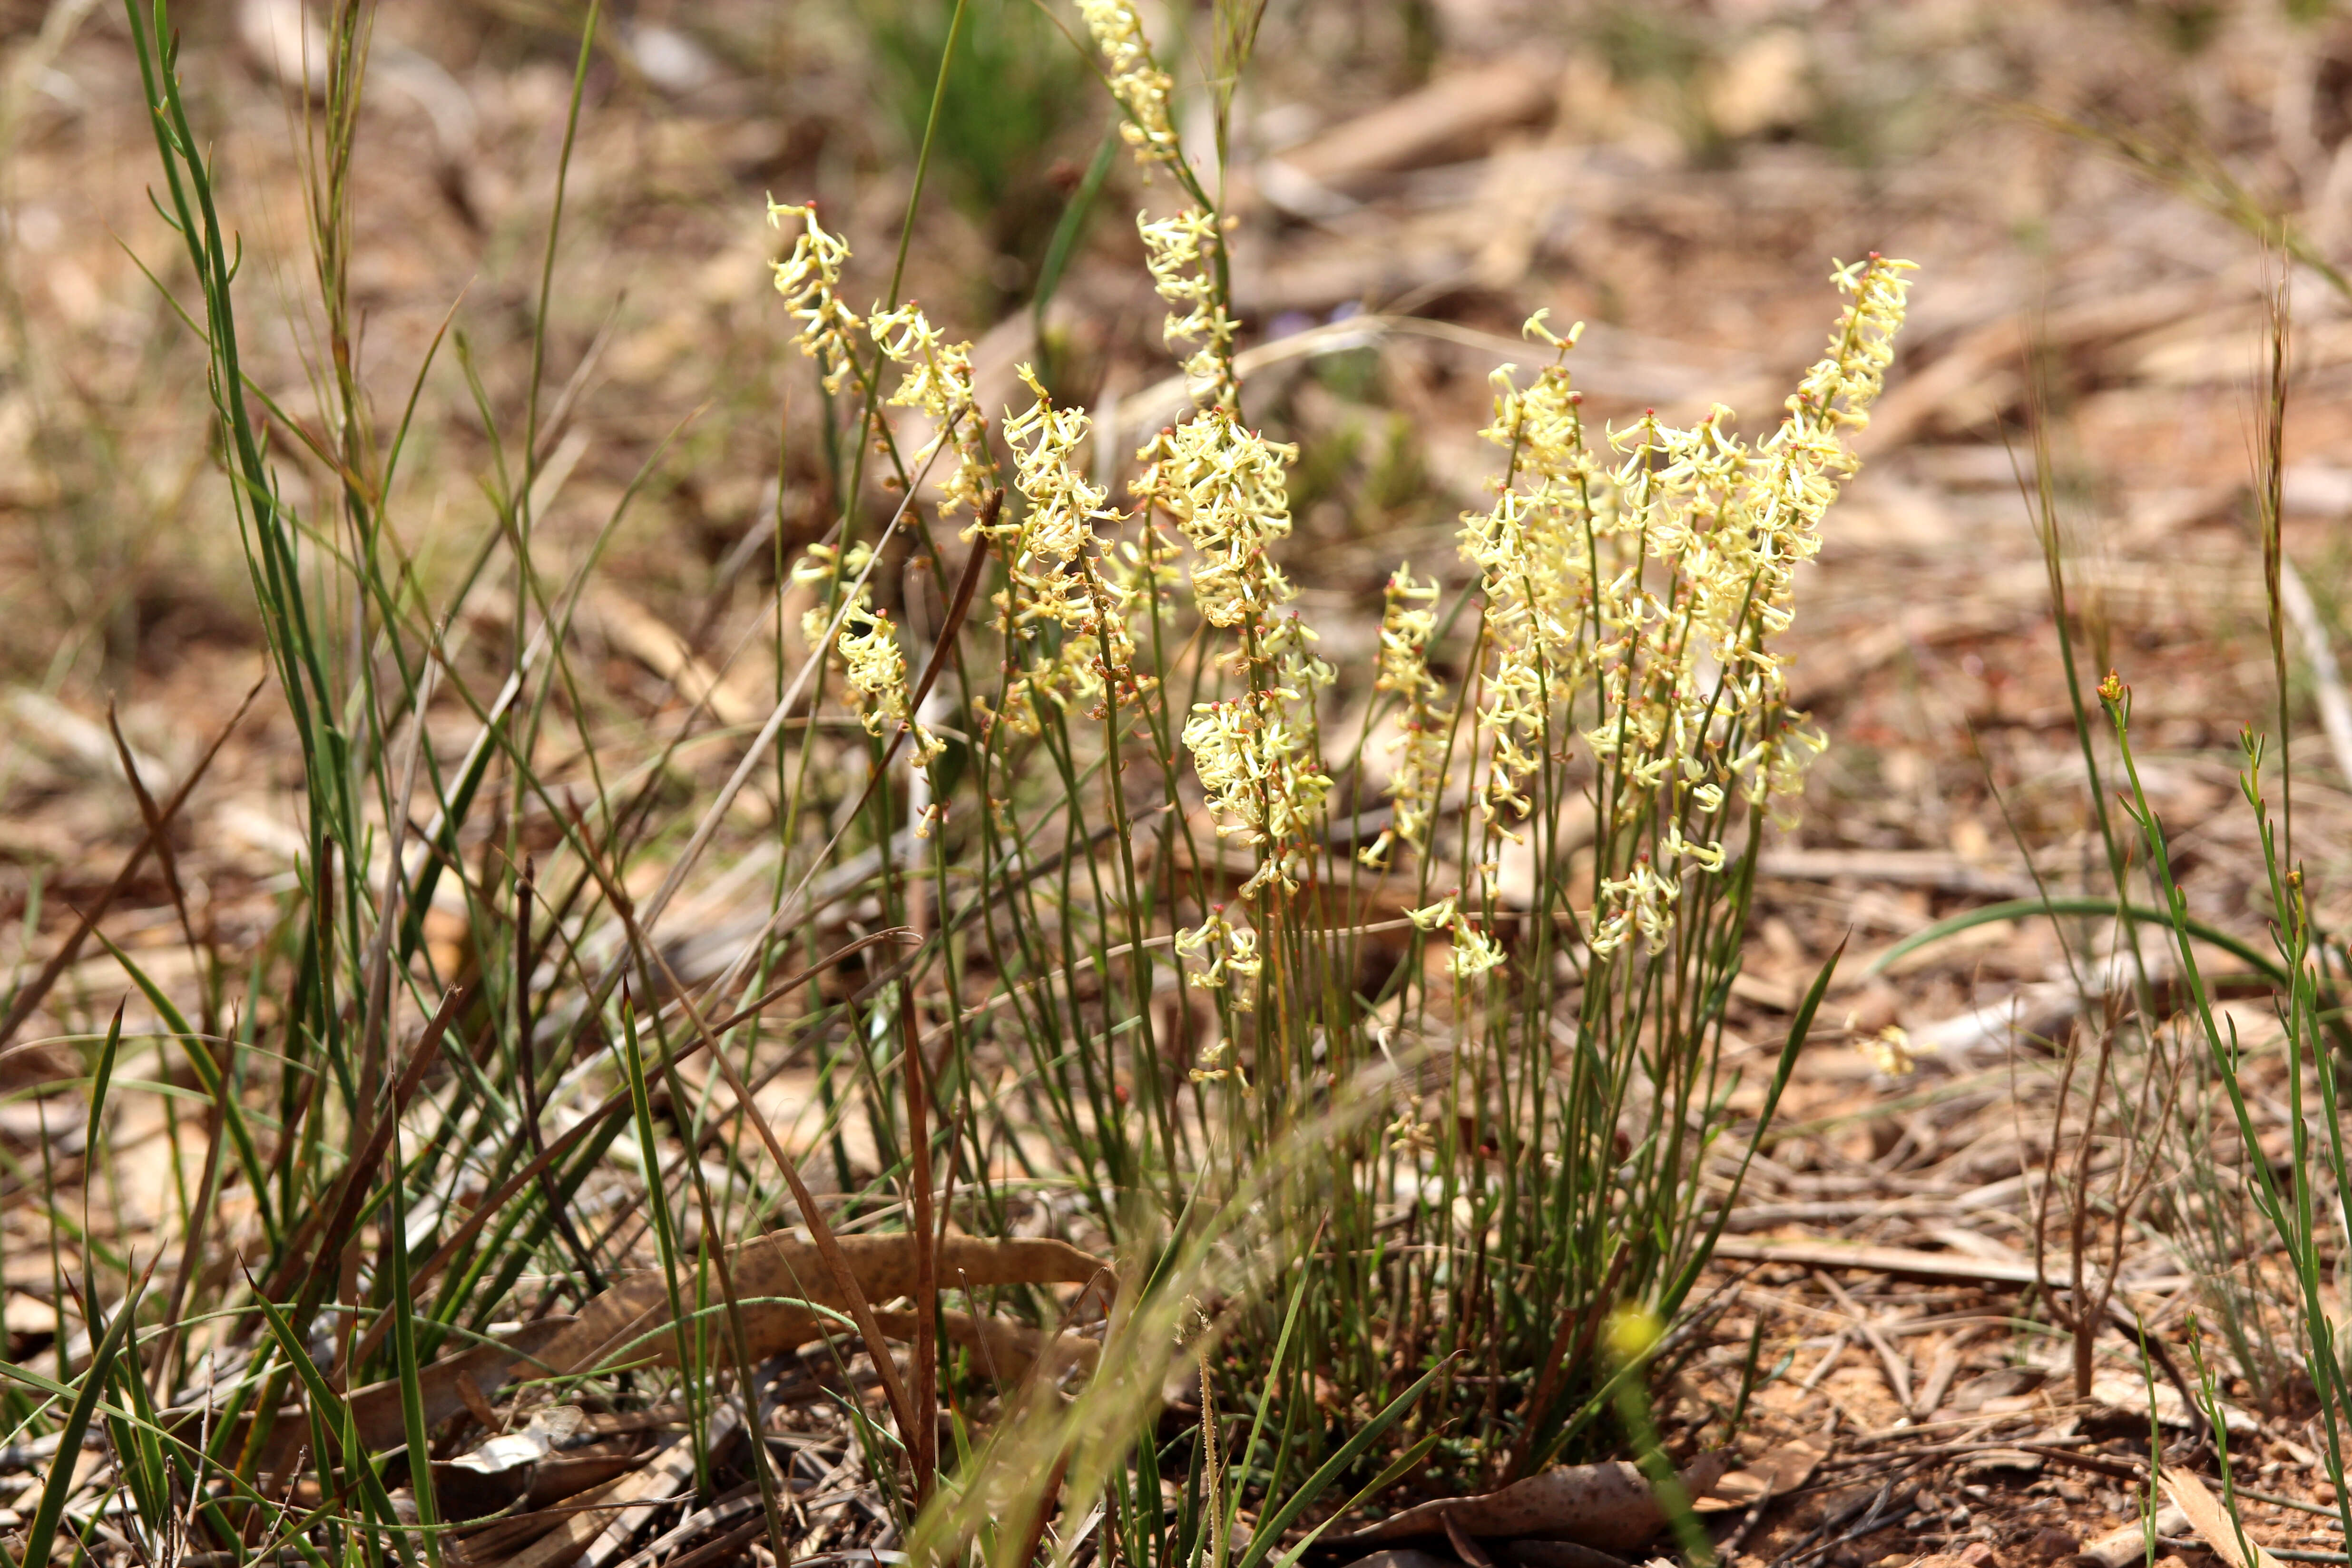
2327 677
37 989
923 1441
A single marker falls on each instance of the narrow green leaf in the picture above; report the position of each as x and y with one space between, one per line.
2093 905
43 1530
1270 1529
1397 1468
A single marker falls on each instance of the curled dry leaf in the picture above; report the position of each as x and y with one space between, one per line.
775 1277
375 1409
781 1282
547 1431
1608 1506
1774 1473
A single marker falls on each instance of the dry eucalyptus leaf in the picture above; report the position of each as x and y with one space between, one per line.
781 1282
375 1409
1610 1506
1404 1557
1004 1350
1774 1473
2212 1520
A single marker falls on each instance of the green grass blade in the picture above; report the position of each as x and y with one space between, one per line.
1270 1529
1396 1471
43 1530
2090 905
324 1402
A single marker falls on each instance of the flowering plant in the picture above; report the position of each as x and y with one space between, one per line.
1574 816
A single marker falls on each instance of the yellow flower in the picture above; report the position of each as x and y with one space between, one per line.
1179 253
1433 917
867 645
1649 588
937 380
1226 488
1228 952
1407 623
1263 781
810 282
877 672
1141 88
1891 1052
1474 953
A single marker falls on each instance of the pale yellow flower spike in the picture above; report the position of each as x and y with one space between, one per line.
1225 487
810 282
1141 88
1053 562
938 381
1692 702
1407 623
1178 251
873 665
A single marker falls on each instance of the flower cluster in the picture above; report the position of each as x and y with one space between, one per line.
872 664
1649 590
1181 253
1407 623
1225 488
1262 778
1474 953
810 282
937 374
1839 388
1064 506
938 381
1228 952
1184 253
1534 549
1063 599
1141 88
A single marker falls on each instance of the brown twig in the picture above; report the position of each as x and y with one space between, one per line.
923 1439
37 990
